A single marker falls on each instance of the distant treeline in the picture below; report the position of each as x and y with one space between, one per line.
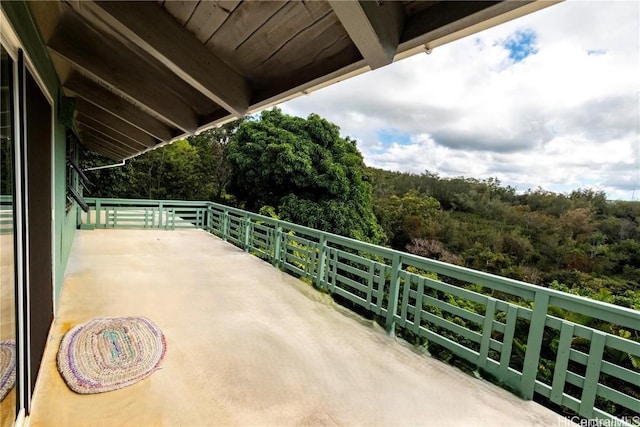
579 242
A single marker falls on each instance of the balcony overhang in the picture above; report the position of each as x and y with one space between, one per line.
148 73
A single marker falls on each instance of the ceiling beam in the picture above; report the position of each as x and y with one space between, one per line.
106 60
374 27
113 122
105 130
157 33
103 98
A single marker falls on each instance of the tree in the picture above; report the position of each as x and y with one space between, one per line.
304 169
408 217
213 167
169 172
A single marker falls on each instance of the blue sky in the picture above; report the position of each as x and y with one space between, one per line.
549 100
521 44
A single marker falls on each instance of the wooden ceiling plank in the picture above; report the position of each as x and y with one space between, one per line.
181 10
413 7
115 143
100 148
117 124
296 56
273 37
117 106
375 28
105 152
245 20
208 17
120 69
156 32
105 130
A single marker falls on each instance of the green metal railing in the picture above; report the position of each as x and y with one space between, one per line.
135 213
425 297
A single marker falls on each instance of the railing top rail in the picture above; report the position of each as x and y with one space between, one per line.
133 202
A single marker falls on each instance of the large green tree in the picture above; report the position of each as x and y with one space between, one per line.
306 171
213 169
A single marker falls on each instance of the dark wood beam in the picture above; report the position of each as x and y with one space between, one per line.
107 131
115 123
103 98
158 34
374 27
107 60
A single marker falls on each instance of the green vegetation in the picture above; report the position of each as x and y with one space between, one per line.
579 242
306 171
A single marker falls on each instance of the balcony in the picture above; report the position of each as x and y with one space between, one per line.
250 344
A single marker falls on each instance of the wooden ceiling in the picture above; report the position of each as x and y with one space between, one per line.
147 73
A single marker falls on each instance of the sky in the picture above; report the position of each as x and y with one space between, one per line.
549 100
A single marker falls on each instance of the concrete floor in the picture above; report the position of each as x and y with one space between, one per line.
249 345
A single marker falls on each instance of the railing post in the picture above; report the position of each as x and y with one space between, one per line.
562 362
247 233
160 214
592 374
209 218
507 343
534 345
322 261
487 328
277 246
79 217
98 212
394 293
225 224
202 218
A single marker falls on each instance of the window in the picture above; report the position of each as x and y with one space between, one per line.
75 175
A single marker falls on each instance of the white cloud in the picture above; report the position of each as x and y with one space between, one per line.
565 117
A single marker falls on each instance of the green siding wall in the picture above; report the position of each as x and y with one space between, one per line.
64 226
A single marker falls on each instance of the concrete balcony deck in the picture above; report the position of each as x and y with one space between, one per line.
250 345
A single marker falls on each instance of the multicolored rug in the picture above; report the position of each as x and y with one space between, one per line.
110 353
7 367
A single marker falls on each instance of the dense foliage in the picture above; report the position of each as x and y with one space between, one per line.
190 169
306 171
581 242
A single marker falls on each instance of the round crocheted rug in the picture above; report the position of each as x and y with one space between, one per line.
110 353
7 367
